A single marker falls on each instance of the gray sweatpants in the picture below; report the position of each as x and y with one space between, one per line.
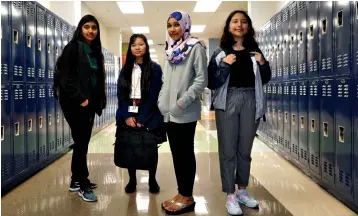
236 128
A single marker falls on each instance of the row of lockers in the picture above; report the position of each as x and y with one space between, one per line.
309 39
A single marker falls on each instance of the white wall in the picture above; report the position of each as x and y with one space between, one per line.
67 10
114 41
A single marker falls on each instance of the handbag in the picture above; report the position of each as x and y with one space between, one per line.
135 148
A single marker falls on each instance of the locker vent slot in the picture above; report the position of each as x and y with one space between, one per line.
16 36
344 178
301 5
285 15
29 39
39 46
325 129
302 122
341 134
301 36
48 48
29 125
293 119
58 25
293 9
57 117
40 14
311 32
317 161
17 129
2 133
324 26
17 4
340 18
313 126
30 8
40 122
49 119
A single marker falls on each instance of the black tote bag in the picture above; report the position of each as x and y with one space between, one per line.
135 148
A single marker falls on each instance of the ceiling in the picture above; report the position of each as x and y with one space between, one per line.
155 17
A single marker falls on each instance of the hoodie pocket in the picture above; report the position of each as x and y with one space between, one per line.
163 103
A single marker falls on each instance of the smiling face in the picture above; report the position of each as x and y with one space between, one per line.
239 25
138 47
174 29
90 31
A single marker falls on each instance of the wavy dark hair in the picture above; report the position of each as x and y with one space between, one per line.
96 46
228 40
125 80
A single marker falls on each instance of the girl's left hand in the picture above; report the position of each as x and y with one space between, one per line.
259 58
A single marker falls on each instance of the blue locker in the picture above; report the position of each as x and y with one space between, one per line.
314 126
264 125
286 44
327 131
59 127
41 121
30 36
287 117
274 113
50 46
18 124
70 32
64 36
312 39
269 113
303 122
326 38
294 119
5 41
355 135
302 39
58 38
31 123
6 144
342 37
40 60
279 45
293 40
51 119
273 45
355 38
343 137
280 115
18 42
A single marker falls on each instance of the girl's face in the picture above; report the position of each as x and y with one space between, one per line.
90 31
174 29
239 25
138 47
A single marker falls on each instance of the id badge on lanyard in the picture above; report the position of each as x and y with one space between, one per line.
134 108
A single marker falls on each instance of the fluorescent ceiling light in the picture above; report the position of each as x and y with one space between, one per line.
197 28
131 7
150 42
205 6
152 50
140 30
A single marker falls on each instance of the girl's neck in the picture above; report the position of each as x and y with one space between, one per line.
139 60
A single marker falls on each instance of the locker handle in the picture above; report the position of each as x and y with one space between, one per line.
48 48
311 32
16 36
293 119
341 134
29 125
56 51
49 119
17 129
302 122
2 133
301 36
325 129
340 18
324 26
313 125
40 122
286 117
279 115
28 37
58 117
292 40
39 45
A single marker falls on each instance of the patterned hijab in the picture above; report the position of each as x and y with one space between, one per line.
177 51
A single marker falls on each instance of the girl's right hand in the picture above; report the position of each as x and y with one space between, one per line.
230 59
131 122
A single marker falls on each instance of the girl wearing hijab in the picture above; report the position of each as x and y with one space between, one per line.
184 79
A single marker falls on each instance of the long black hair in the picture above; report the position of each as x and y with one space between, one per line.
64 58
228 40
125 80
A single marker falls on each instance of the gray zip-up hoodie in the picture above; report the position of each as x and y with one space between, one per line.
179 98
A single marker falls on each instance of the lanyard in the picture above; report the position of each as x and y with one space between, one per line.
136 67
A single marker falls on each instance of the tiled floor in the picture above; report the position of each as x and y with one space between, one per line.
280 188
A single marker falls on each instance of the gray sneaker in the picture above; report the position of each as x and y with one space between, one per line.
243 197
87 195
232 205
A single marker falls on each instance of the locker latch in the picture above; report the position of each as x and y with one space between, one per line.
17 129
313 126
2 133
325 129
29 125
40 122
341 134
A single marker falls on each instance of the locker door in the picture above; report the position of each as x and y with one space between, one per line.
312 40
18 124
5 41
58 38
327 130
280 116
355 134
326 38
342 30
293 40
302 39
66 127
64 36
70 32
274 114
303 122
31 123
273 64
41 122
59 127
269 113
18 42
314 127
7 155
343 138
51 120
30 36
287 117
294 119
355 37
40 60
50 46
264 124
285 44
279 41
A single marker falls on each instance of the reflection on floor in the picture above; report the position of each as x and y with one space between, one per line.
279 187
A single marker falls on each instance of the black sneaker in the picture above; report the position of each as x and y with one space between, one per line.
87 195
74 186
154 187
131 187
93 185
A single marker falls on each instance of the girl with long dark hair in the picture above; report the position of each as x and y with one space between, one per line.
237 72
138 87
79 84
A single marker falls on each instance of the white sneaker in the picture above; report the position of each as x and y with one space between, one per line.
232 205
243 197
